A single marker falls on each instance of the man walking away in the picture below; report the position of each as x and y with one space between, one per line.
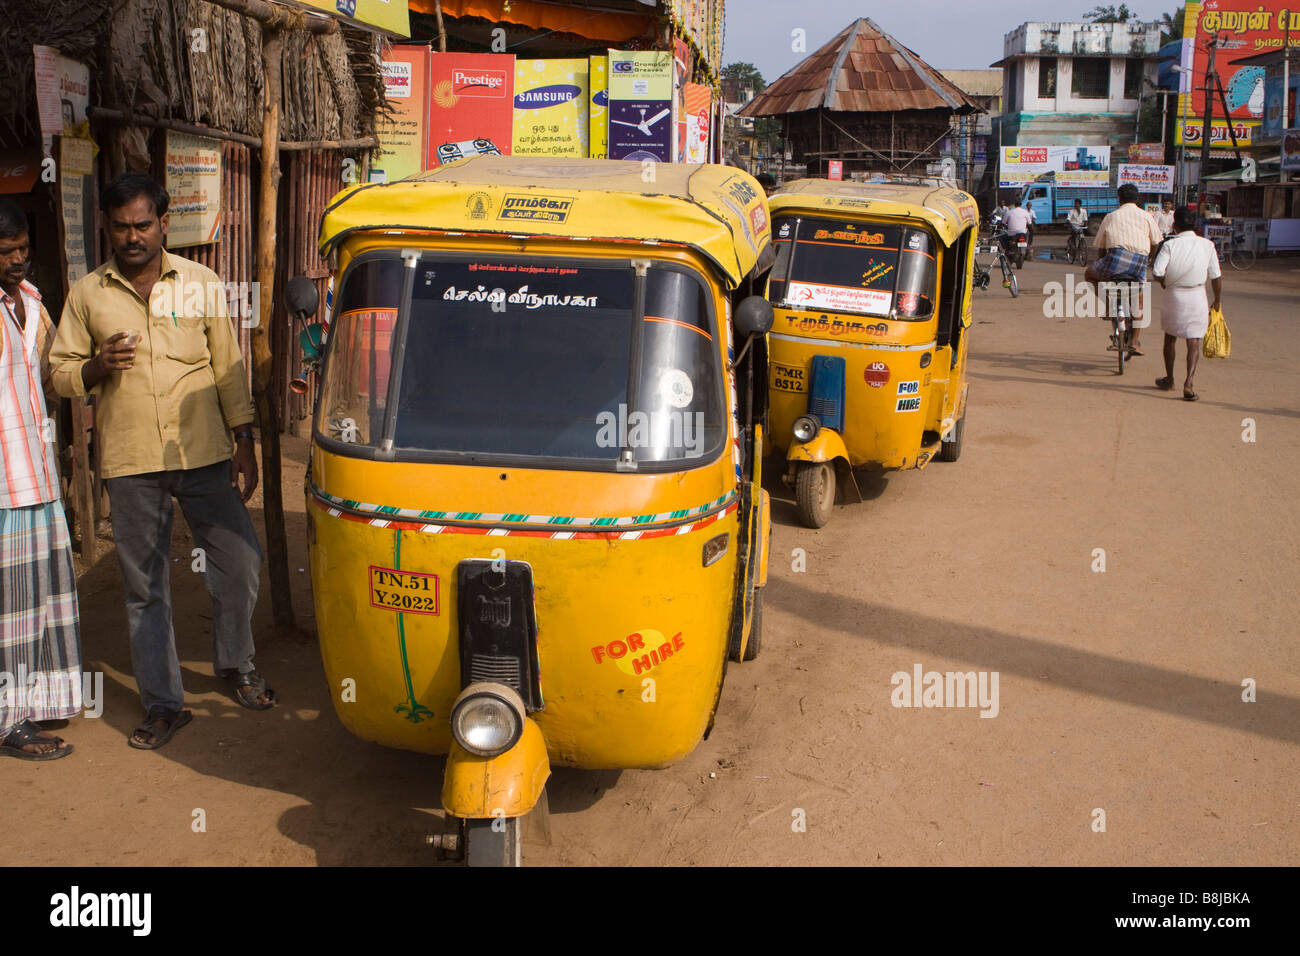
165 426
40 645
1182 265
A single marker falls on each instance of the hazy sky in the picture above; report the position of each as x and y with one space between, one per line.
947 34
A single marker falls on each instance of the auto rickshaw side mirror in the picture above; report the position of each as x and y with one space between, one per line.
754 316
301 296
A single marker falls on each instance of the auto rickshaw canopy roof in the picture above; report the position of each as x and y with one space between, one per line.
947 209
718 210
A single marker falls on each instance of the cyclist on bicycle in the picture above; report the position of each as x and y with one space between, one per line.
1126 237
1078 219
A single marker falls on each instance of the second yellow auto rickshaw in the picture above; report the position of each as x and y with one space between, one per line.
872 293
537 530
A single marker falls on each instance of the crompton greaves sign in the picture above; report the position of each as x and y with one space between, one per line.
1147 178
1074 166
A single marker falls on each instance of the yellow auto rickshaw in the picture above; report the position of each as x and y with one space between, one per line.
872 293
536 525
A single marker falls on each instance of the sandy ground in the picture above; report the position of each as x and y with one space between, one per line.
1118 691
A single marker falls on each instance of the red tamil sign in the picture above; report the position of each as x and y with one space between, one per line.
1244 28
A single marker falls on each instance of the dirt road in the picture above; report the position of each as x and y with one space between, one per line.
1118 691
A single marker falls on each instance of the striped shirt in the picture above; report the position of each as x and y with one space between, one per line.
26 431
1129 227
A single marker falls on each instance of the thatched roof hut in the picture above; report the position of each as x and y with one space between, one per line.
190 61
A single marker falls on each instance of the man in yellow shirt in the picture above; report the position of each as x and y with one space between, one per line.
148 332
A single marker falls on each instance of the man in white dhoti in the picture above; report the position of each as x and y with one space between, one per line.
1183 265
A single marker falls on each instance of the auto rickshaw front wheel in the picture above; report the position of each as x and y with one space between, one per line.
951 450
814 492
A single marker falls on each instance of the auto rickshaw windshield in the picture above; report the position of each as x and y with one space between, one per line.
853 267
575 363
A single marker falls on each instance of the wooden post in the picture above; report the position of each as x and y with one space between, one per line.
442 27
277 552
83 496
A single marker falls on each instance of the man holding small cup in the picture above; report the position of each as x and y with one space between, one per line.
148 332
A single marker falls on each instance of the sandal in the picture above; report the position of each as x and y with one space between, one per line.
28 733
1135 352
249 687
147 736
1190 395
1165 384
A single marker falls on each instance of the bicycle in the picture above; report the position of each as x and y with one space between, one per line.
1121 330
982 276
1076 247
1239 256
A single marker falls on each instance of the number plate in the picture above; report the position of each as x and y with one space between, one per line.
788 378
411 592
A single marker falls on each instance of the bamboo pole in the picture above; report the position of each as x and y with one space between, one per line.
131 119
277 552
442 27
271 15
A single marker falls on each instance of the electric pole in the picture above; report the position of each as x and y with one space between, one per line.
1210 79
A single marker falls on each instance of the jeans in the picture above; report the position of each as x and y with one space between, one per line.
230 561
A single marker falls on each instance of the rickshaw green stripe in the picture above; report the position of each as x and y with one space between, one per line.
516 518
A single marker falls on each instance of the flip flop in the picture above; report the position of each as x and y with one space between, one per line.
1190 396
173 719
1132 352
29 732
1165 384
248 687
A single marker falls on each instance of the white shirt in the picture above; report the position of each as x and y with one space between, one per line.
1018 220
1078 217
1186 260
1165 221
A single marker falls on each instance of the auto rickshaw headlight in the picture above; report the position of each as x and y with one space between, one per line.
806 428
487 719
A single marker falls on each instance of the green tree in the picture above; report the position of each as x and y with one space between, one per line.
747 73
1171 25
1109 14
767 129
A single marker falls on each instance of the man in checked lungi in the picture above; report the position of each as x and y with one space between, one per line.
1127 238
40 645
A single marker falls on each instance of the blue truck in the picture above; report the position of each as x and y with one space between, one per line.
1051 202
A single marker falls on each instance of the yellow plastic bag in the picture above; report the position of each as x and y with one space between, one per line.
1218 340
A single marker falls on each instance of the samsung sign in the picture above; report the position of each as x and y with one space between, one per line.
545 96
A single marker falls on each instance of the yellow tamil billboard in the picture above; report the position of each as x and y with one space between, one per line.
386 16
551 106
